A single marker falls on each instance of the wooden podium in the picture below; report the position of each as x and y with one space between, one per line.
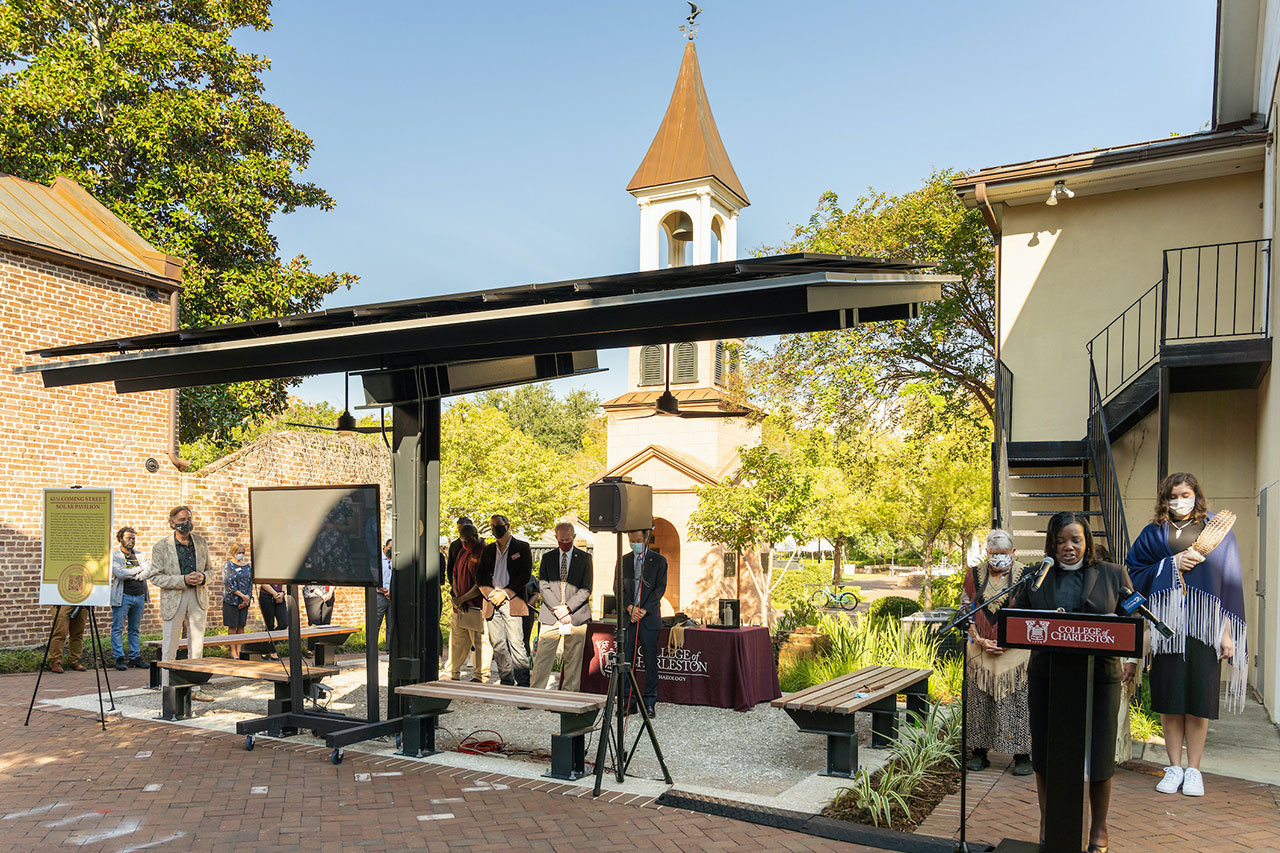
1076 638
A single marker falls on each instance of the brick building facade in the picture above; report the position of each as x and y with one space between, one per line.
70 272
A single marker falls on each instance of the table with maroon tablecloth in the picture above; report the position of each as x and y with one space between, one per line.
719 667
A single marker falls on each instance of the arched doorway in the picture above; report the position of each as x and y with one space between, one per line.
666 541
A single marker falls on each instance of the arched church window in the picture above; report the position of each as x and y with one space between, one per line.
685 368
651 365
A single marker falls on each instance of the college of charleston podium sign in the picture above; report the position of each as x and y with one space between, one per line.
1070 632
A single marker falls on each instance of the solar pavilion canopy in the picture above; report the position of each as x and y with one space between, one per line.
758 296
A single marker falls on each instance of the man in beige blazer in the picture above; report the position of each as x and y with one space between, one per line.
180 567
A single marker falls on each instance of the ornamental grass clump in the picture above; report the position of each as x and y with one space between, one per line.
923 763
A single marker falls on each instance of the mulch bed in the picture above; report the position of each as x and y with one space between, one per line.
943 780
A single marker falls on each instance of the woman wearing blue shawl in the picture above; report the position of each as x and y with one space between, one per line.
1202 600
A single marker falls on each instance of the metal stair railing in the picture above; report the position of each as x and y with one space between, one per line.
1001 510
1104 473
1218 291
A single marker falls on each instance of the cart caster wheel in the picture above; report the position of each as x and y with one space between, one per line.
337 756
248 742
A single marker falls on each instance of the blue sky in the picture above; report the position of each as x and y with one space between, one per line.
482 145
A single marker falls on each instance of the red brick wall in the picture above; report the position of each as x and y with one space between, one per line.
86 435
219 496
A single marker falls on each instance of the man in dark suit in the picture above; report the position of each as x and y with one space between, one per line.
505 568
564 579
642 610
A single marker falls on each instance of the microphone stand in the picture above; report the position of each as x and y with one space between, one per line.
962 621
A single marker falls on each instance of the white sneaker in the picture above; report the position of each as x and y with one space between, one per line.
1172 781
1193 783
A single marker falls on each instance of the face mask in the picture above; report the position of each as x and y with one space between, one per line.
637 548
240 557
1000 562
184 528
566 547
1182 506
500 530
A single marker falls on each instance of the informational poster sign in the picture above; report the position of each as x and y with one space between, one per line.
75 561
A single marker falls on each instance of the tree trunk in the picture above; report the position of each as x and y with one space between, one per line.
837 563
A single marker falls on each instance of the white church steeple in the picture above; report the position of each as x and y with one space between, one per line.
688 192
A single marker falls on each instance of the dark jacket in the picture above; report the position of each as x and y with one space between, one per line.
577 588
519 567
1102 582
653 585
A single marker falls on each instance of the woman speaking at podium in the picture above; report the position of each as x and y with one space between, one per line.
1079 583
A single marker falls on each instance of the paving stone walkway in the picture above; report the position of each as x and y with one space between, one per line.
1235 814
142 785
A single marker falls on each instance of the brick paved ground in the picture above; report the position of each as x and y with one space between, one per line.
140 785
1234 815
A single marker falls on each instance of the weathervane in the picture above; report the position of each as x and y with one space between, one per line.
690 29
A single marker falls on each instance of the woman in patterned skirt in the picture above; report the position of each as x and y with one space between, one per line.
998 715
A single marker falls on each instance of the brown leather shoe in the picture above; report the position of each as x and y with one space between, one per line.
77 666
56 666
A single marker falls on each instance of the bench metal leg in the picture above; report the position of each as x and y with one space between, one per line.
418 735
175 702
918 698
569 756
842 755
154 676
884 722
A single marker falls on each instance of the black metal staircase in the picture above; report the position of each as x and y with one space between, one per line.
1203 326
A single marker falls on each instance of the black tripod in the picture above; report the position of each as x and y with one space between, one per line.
622 687
98 655
962 621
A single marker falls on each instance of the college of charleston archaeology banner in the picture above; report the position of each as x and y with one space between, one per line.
75 560
731 668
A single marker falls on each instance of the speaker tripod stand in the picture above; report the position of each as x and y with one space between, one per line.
622 688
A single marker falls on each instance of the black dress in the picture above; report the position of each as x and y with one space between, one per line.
1095 589
1187 683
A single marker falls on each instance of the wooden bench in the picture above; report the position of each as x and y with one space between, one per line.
830 708
175 702
578 712
327 637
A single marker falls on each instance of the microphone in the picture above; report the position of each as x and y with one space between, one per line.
1134 602
1045 566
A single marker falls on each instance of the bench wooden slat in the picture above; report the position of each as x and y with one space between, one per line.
833 690
839 695
255 669
281 636
557 701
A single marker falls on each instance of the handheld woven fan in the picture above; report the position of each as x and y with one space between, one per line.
1215 530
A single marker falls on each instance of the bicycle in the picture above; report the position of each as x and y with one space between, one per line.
826 597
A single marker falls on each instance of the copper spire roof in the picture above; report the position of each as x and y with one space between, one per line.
687 145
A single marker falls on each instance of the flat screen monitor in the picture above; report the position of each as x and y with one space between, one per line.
316 535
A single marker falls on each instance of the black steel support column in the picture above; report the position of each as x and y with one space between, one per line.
413 629
1162 464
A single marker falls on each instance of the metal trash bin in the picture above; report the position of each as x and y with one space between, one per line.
932 621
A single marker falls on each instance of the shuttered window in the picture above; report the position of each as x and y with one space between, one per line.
651 366
685 368
720 362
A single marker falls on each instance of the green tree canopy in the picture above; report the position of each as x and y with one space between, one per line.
489 467
153 111
824 377
563 424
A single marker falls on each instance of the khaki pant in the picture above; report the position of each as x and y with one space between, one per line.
467 629
65 625
549 640
191 614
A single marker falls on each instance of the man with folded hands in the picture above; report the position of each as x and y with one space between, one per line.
564 578
505 568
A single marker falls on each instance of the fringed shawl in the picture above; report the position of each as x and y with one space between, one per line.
1214 601
996 675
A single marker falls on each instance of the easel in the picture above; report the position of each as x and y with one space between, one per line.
100 673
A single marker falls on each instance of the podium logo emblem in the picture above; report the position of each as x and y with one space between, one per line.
1037 630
